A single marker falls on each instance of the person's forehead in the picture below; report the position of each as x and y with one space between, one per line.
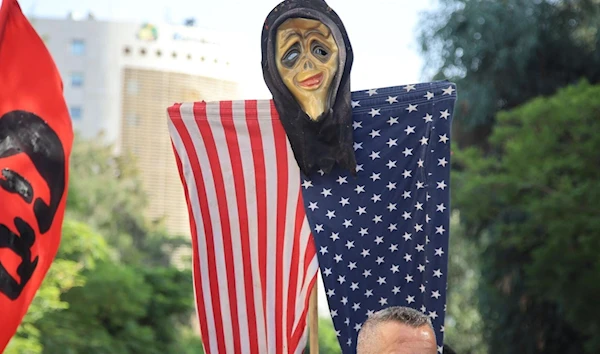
396 338
299 25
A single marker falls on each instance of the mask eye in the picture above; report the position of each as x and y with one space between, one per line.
320 51
291 56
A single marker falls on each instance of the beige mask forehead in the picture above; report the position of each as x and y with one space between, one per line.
301 27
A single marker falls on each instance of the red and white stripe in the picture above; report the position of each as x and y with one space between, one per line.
254 259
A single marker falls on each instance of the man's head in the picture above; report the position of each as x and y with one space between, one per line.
397 330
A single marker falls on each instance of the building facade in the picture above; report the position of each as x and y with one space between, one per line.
119 79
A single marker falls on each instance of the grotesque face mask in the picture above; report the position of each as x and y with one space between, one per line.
307 60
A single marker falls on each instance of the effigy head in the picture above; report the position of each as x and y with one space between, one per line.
306 61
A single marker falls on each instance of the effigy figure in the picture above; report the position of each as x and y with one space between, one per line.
352 183
306 61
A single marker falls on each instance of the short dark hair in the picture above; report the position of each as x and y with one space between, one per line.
400 314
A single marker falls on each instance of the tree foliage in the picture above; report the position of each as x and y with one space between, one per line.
503 53
80 249
111 288
105 192
328 340
463 327
524 196
121 310
532 206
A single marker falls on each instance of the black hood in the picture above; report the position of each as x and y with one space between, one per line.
320 144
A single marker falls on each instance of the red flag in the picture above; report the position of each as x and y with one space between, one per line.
254 258
35 144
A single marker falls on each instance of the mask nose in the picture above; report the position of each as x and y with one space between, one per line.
308 64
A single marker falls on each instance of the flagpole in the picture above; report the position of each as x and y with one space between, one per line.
313 321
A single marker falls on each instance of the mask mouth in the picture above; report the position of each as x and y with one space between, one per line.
313 82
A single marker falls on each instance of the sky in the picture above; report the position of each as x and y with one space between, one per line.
383 33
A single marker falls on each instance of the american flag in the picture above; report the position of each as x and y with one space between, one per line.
254 259
382 236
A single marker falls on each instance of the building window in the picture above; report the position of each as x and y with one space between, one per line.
76 112
78 47
76 79
132 120
132 87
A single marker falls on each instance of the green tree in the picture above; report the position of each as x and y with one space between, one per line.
503 53
122 309
328 340
463 329
80 249
105 191
532 206
111 288
190 342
